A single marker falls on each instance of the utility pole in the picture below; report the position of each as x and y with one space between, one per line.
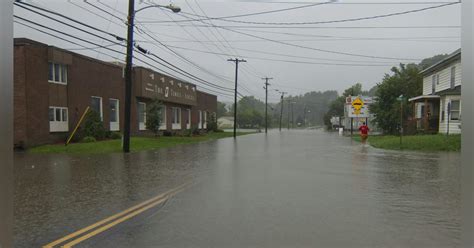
289 103
236 61
266 102
281 109
128 76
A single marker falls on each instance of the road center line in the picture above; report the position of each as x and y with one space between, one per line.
130 212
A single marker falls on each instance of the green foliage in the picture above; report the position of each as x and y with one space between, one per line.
212 123
93 126
406 81
88 139
115 135
336 107
153 116
222 109
425 63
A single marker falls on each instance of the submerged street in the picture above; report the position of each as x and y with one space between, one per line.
291 189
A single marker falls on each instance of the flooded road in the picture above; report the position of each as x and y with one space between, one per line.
294 189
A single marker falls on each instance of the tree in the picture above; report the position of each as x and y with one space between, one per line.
221 109
405 80
153 116
336 108
425 63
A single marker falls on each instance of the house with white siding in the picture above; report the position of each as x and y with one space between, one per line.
439 108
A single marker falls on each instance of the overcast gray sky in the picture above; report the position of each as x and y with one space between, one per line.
297 68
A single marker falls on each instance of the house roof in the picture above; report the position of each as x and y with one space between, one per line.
456 55
423 97
454 91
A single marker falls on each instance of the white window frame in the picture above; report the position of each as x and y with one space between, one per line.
176 118
163 120
204 124
458 111
188 121
101 112
62 78
433 84
200 120
61 125
115 125
141 125
452 79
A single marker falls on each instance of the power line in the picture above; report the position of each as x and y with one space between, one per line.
107 48
312 48
224 19
263 12
52 12
320 27
281 60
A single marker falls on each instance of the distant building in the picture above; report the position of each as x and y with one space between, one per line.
439 108
53 87
225 122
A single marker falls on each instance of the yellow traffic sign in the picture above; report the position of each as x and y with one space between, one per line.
357 104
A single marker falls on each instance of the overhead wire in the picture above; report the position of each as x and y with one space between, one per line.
201 81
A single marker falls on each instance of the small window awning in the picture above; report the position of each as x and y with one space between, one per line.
428 97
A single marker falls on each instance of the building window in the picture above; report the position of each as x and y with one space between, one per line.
433 84
453 77
57 73
200 119
188 119
205 120
114 115
58 119
441 106
96 105
176 121
141 116
163 118
455 111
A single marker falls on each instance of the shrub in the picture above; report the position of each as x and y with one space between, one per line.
88 139
93 126
154 116
212 123
115 135
167 133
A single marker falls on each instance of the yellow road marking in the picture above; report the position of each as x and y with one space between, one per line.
160 198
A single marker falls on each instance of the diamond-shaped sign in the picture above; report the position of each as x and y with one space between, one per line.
357 104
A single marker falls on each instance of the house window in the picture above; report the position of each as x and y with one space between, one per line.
57 73
205 120
453 77
114 115
141 116
176 118
455 111
96 105
58 119
433 84
200 120
163 118
188 119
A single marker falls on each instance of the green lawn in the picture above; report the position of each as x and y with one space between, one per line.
436 142
136 144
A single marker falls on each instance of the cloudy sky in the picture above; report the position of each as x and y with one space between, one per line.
303 45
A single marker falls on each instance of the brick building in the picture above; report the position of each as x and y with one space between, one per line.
53 87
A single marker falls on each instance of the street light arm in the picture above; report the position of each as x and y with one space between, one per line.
173 8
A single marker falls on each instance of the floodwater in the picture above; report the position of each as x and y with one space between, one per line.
294 189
